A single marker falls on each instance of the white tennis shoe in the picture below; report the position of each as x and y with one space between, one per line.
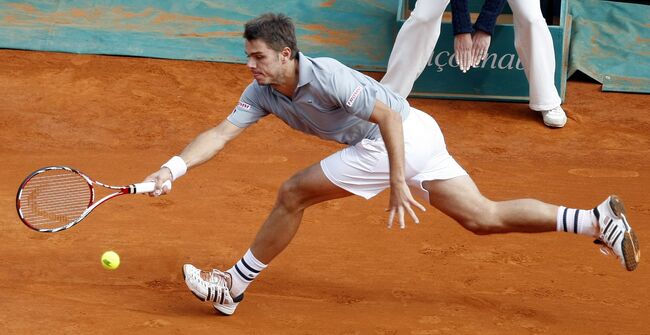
213 287
555 117
615 234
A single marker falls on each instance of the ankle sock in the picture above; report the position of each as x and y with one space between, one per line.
244 272
577 221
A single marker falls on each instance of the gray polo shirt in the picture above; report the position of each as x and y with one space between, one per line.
331 101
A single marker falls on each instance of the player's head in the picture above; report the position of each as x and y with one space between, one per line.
270 46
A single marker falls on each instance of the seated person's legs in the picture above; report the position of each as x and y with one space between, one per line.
414 45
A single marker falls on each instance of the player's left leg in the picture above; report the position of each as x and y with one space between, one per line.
435 176
460 199
534 46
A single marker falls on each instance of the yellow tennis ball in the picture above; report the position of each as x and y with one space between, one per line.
110 260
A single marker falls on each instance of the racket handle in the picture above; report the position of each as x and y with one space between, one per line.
149 186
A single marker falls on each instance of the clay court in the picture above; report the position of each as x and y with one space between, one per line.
118 118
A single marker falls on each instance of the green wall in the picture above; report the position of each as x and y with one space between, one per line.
358 33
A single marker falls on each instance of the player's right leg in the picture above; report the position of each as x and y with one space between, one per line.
460 199
414 45
226 289
306 188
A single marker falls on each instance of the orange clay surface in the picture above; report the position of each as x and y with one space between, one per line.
118 118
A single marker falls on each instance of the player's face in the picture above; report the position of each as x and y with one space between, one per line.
265 64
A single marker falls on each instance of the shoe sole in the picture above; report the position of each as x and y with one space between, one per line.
227 312
554 125
630 244
631 251
224 311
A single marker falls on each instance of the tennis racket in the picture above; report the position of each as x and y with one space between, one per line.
56 198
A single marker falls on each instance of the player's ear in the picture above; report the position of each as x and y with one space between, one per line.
285 54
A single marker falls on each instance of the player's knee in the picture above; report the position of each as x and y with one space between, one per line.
289 196
482 222
477 227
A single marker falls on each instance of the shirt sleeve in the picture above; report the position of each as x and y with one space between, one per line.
353 93
248 110
488 17
460 19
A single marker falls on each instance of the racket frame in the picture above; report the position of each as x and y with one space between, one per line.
145 187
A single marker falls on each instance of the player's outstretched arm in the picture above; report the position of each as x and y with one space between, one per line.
205 146
401 200
209 143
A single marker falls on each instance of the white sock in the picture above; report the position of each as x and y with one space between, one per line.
577 221
244 272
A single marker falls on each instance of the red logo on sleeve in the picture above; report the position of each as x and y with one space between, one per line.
243 105
354 96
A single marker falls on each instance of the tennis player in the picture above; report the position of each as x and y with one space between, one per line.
390 145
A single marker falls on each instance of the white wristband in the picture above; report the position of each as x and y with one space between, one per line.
177 167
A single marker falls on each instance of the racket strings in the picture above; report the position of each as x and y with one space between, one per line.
55 198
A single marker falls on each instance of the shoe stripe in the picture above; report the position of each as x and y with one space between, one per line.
609 225
575 222
564 218
209 296
222 298
249 267
616 238
242 275
596 213
612 233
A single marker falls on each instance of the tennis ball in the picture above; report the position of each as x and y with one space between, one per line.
110 260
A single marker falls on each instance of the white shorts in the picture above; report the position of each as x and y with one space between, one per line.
363 169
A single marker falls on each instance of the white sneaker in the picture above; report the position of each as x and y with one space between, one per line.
211 286
555 118
616 235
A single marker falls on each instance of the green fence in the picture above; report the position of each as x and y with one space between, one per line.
358 33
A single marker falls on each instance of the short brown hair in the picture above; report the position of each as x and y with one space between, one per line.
276 30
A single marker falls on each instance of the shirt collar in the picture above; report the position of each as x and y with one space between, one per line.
305 70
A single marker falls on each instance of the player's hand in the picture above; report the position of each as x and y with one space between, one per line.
480 45
160 177
463 51
401 201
